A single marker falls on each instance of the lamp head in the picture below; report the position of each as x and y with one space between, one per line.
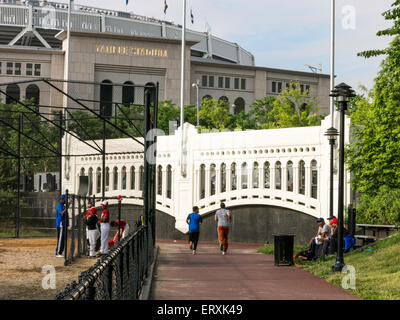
331 133
342 92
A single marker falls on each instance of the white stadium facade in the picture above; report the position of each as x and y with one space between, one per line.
119 47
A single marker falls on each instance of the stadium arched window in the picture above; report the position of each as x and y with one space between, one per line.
224 101
106 98
314 179
278 176
213 178
256 175
33 93
202 181
223 177
169 182
267 176
239 105
302 177
289 176
244 175
128 93
13 93
206 97
123 178
132 178
159 180
233 177
98 180
82 172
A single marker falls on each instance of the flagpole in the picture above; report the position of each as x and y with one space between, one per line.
183 173
66 78
332 105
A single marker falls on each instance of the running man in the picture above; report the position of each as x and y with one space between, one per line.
223 217
104 227
61 225
194 220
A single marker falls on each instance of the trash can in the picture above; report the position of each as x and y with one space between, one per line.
283 249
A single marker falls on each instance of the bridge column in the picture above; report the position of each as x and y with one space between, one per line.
119 173
218 179
284 177
308 180
295 178
128 178
137 178
164 182
208 181
272 176
228 177
94 179
196 180
260 176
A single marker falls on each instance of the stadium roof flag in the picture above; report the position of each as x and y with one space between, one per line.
127 1
165 6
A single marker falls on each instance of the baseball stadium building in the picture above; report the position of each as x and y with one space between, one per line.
112 47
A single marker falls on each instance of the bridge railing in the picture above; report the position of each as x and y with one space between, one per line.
119 275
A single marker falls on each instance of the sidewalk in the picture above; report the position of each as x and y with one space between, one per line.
242 274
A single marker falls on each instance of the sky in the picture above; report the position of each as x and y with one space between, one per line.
286 34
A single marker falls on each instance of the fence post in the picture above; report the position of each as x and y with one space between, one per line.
66 228
119 220
83 226
18 214
79 226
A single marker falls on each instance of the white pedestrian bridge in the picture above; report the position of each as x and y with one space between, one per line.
284 168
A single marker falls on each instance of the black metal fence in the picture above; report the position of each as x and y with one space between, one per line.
120 274
76 244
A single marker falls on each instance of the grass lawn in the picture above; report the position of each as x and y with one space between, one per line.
377 269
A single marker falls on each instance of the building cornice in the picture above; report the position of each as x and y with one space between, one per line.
62 35
256 68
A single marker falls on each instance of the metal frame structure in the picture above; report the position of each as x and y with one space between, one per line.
150 107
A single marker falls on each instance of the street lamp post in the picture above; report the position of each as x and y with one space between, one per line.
342 93
331 133
196 85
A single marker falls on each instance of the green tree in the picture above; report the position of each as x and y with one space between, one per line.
374 154
294 108
392 14
260 112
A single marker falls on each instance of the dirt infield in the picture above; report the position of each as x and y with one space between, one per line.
21 263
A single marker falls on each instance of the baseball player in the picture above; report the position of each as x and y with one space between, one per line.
123 228
104 227
91 221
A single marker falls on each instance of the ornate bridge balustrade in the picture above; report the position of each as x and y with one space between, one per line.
286 168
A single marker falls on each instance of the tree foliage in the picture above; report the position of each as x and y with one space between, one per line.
293 108
392 14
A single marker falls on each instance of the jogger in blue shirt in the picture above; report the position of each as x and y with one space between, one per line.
194 220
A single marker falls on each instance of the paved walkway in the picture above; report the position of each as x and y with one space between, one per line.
240 275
